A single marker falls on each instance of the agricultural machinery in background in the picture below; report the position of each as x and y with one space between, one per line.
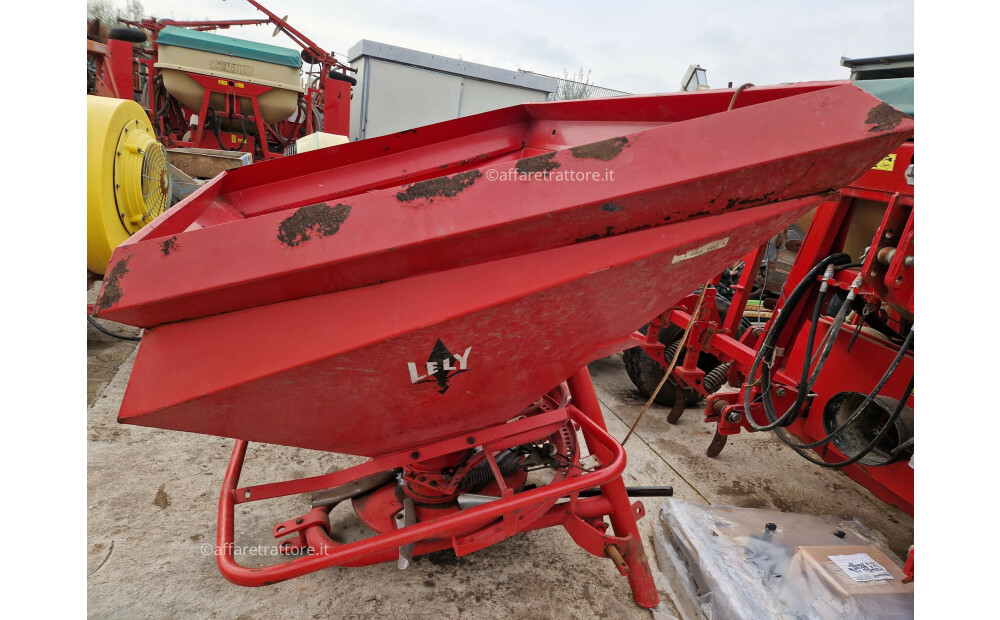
209 91
159 84
830 371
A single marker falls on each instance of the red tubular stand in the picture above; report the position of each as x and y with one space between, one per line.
490 523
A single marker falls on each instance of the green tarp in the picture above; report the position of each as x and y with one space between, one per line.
896 92
218 44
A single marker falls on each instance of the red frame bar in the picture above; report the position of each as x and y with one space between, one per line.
538 504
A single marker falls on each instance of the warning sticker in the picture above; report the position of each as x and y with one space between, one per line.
861 567
705 249
888 163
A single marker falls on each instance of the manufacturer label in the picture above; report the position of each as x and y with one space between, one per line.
888 163
705 249
230 67
441 366
861 567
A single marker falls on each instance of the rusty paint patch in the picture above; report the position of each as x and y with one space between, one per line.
319 219
742 202
609 231
538 163
442 187
470 160
605 150
884 117
403 133
169 245
111 292
611 207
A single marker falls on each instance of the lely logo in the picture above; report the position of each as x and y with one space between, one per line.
440 367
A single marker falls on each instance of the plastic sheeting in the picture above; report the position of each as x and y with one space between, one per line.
751 563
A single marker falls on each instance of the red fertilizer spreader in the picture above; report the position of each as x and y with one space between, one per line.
430 299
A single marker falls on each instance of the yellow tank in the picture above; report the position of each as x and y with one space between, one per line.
128 181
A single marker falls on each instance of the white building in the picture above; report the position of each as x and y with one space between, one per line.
400 88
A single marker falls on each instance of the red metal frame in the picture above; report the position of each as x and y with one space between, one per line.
888 277
468 530
104 83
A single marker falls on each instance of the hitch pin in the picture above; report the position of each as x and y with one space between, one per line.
612 552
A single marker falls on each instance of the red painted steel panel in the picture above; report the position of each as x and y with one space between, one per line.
331 372
801 142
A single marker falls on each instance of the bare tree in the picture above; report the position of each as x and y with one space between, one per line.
106 13
577 86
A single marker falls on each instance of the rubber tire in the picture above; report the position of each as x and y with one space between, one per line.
307 58
132 35
646 374
343 77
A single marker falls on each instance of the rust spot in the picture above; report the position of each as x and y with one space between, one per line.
111 292
441 187
161 498
169 245
611 207
538 163
319 219
605 150
742 202
403 133
884 117
474 159
609 231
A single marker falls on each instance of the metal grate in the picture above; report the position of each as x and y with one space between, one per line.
572 89
156 182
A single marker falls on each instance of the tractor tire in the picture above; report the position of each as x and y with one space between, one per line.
343 77
307 58
646 373
132 35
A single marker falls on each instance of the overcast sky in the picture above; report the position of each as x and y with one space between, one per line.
638 47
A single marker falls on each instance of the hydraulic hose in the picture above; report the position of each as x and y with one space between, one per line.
831 334
110 333
764 358
871 446
864 404
766 352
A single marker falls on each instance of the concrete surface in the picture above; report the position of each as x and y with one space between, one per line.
152 500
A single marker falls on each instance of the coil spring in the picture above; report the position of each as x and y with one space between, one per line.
716 377
481 475
668 353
